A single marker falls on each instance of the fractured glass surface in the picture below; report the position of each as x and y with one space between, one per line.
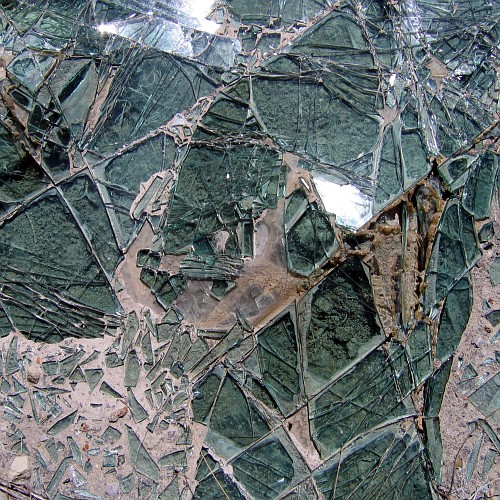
248 249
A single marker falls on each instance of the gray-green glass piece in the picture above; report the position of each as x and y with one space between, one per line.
111 435
130 329
56 268
472 460
306 117
434 389
220 188
343 320
75 451
112 360
58 475
127 483
141 459
310 239
77 375
364 398
494 317
110 459
235 417
217 485
67 365
487 398
204 394
454 318
265 470
109 391
434 447
88 208
171 491
138 412
176 460
419 352
62 424
486 233
5 326
269 13
455 251
11 361
478 191
206 465
51 448
128 114
50 367
93 377
494 272
384 464
20 175
456 171
147 348
279 362
132 369
489 460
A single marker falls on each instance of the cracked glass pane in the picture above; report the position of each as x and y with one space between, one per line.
249 249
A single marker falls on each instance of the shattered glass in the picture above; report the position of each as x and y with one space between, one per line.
249 249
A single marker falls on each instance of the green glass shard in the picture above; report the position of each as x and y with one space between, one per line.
11 361
217 485
486 233
75 451
204 393
111 435
487 398
278 353
176 460
53 272
108 390
419 353
384 464
235 417
88 209
67 365
310 239
494 272
282 104
265 470
171 491
434 389
478 191
77 375
132 369
434 447
20 175
182 83
454 318
141 459
454 252
226 186
58 475
366 397
138 412
112 360
62 424
93 377
206 465
472 460
127 483
343 321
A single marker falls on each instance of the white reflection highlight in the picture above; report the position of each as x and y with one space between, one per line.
352 208
107 28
